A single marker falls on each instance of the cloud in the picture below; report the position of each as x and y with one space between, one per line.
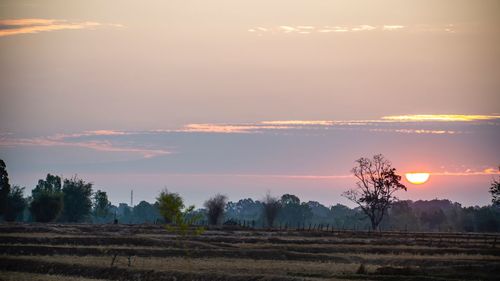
404 124
74 140
106 133
9 27
363 28
299 122
288 29
392 27
352 28
416 131
440 117
114 141
217 128
229 128
306 29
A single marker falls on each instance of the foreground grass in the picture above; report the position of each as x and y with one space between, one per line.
212 265
23 276
124 252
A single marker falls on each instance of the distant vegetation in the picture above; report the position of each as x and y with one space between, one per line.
74 200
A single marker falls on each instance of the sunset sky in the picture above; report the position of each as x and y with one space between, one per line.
242 97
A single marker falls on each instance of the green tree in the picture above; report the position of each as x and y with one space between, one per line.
15 204
181 219
170 206
47 199
101 204
77 199
4 186
375 189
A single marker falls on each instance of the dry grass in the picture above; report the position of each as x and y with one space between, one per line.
281 254
213 265
21 276
408 256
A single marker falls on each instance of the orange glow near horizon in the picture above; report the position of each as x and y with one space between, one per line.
417 178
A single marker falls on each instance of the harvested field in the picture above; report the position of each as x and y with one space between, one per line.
149 252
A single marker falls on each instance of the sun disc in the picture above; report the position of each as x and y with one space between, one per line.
417 178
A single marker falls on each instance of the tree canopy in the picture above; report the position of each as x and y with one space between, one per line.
101 204
15 204
170 206
47 199
77 199
293 212
4 186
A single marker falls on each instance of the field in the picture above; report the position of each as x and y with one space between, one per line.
83 252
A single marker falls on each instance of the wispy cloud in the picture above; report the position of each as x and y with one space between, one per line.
299 122
9 27
392 27
307 29
114 141
74 140
416 131
349 28
228 128
400 121
469 172
441 117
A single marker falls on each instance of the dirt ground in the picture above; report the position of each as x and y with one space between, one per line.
151 252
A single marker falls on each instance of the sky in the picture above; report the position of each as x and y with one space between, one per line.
245 97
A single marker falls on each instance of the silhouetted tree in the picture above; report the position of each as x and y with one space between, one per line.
15 203
487 219
401 216
145 212
244 209
101 204
375 190
342 215
271 207
215 209
4 186
293 211
77 199
47 199
170 205
495 191
434 219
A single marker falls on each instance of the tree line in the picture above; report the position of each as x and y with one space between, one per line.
73 200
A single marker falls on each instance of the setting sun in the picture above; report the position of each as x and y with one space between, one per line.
417 178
